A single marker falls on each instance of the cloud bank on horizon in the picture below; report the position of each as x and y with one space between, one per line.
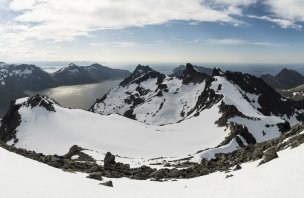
54 29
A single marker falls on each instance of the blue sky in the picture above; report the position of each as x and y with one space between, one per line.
153 31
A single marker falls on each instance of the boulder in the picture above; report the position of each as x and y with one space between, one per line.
108 183
227 176
159 174
109 159
95 175
269 155
174 173
237 167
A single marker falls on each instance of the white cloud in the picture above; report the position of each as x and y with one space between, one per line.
285 13
227 41
268 44
287 9
283 23
19 5
115 44
64 20
236 42
237 2
22 22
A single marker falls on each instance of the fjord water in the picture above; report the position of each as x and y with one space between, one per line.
78 96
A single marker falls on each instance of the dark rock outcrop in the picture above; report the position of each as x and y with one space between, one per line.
107 183
12 118
109 160
95 175
269 155
178 71
191 75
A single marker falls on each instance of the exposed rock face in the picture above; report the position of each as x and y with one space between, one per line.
10 122
270 101
269 155
108 183
140 74
109 159
178 71
191 75
237 167
41 101
12 119
77 151
95 175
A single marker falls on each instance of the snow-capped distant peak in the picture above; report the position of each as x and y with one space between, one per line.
141 74
139 70
72 65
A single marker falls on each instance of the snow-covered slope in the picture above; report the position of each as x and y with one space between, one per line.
40 124
281 178
179 117
151 97
250 109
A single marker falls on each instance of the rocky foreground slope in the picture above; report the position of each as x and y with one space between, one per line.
229 134
267 169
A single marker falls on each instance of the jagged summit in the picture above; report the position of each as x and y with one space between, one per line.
217 72
178 71
192 75
12 119
141 69
69 67
39 101
140 74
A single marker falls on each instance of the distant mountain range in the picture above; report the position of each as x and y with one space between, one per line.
285 79
15 79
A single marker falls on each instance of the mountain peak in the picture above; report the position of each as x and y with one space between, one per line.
140 69
39 101
192 75
96 65
72 65
217 72
286 71
290 78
